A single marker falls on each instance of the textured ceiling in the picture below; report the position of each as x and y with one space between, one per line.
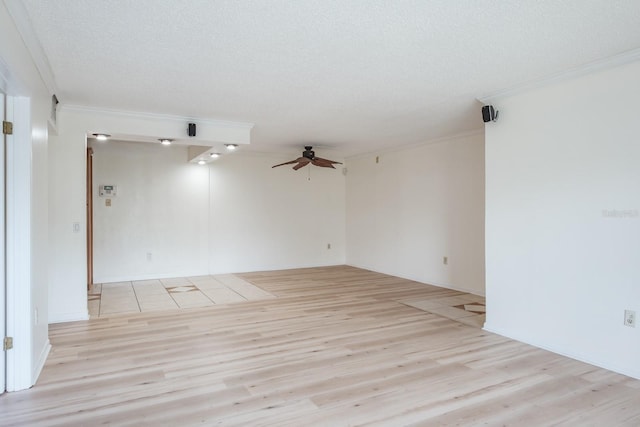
355 76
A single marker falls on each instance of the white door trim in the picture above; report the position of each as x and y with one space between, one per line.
3 284
18 238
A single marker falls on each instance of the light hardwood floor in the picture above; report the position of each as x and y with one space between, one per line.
337 346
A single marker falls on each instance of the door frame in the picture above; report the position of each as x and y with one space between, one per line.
89 218
3 282
19 323
18 320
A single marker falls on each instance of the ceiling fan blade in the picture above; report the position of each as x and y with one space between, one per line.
302 163
289 163
324 163
305 160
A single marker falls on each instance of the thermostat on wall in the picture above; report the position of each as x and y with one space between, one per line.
108 190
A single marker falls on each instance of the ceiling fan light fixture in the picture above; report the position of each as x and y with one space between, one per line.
231 147
165 141
101 136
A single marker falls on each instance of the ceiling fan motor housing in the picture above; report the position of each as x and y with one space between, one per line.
308 153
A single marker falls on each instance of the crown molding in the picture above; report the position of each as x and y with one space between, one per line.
23 23
582 70
71 108
386 150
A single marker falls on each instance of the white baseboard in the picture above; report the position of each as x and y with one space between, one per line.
41 361
68 317
456 288
151 276
426 282
566 353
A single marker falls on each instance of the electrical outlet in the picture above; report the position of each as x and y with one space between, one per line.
149 256
630 318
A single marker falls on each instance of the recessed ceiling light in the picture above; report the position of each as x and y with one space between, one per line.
165 141
214 155
231 146
201 162
101 136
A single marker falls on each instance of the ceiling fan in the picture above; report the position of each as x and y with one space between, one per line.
309 156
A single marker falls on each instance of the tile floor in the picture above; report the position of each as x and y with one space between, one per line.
170 294
187 292
464 308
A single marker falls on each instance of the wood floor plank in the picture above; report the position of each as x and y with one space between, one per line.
323 346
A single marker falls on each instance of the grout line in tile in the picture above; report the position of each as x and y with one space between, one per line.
123 291
174 300
136 297
205 295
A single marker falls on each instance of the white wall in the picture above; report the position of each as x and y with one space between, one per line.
235 214
67 195
559 272
22 80
269 219
256 217
67 191
162 209
416 206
